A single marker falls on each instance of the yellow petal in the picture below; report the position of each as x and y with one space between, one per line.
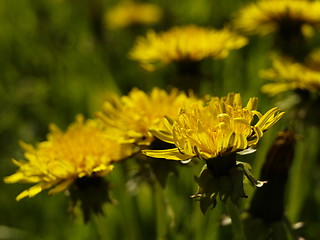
162 135
62 186
31 192
265 118
170 154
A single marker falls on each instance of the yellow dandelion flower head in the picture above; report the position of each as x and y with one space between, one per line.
313 60
266 16
129 13
210 130
130 117
184 43
83 150
288 75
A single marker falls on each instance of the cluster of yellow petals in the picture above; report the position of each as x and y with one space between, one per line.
220 126
288 75
129 13
185 43
128 118
265 16
83 150
312 61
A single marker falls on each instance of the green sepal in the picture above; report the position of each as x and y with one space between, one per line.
246 170
90 194
228 185
225 187
208 188
237 175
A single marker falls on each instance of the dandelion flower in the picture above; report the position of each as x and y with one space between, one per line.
130 13
215 132
288 75
312 61
82 151
130 117
284 16
185 43
220 127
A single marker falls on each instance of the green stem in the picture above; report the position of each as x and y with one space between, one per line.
301 173
238 231
161 210
100 227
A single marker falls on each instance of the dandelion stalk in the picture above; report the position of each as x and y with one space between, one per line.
301 175
160 204
236 221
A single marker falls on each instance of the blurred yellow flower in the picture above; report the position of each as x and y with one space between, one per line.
222 126
129 13
288 75
185 43
130 117
82 151
284 16
313 60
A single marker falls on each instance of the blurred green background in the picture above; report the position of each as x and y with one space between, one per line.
58 59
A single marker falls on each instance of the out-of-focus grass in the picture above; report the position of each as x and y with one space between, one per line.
57 61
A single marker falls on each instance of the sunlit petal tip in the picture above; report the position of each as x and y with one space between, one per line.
247 151
186 161
197 195
260 183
